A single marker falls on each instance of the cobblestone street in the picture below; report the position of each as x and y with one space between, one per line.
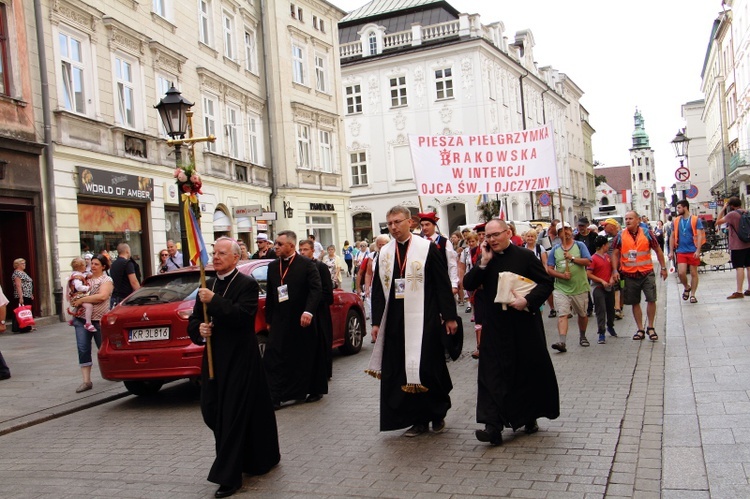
607 441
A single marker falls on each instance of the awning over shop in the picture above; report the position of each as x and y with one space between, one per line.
243 224
222 222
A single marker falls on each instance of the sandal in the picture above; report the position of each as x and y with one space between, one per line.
693 299
686 294
583 341
639 335
652 334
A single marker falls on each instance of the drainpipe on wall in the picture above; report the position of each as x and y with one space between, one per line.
49 191
272 198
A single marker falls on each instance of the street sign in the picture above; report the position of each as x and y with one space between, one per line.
268 215
251 210
682 186
692 192
682 174
712 205
544 199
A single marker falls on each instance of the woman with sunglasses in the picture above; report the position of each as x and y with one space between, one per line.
161 268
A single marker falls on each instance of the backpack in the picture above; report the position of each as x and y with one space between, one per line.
743 227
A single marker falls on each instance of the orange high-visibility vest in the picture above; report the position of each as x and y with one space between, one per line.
641 246
697 239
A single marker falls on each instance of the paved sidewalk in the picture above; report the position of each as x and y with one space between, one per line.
706 449
638 419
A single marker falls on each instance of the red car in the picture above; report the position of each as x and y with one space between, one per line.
145 341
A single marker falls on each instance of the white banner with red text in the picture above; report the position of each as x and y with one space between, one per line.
499 163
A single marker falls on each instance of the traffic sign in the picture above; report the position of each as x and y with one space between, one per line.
253 210
682 174
692 192
544 199
682 186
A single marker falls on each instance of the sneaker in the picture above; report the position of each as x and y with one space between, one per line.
468 309
416 430
560 347
552 313
438 426
89 327
611 331
602 340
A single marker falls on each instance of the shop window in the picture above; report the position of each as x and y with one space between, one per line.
172 223
362 223
103 227
322 227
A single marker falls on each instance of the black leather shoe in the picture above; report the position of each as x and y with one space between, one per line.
531 427
313 397
4 376
490 435
226 491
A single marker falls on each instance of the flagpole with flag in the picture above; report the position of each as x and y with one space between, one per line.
189 184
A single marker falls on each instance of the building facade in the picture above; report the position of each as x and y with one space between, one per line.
422 67
23 231
109 62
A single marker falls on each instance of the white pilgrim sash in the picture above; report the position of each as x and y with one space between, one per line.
416 256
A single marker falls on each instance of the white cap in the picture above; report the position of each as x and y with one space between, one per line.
560 225
261 237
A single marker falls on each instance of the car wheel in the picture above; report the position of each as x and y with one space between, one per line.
262 340
355 331
143 388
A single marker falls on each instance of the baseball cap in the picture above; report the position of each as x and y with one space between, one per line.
261 237
561 225
583 221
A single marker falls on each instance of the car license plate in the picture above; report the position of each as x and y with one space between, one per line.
149 334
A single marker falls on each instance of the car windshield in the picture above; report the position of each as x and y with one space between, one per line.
165 288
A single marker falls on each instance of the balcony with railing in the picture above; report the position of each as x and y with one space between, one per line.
467 25
739 159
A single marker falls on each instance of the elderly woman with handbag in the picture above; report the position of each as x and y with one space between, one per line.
23 292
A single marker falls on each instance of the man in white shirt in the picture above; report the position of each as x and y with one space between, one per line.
317 247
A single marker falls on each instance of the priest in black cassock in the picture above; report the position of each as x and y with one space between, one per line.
236 404
517 382
412 308
295 353
322 316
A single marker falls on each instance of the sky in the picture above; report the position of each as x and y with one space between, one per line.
645 54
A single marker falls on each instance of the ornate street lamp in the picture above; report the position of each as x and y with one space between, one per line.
680 143
173 109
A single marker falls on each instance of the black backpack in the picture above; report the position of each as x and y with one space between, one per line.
743 227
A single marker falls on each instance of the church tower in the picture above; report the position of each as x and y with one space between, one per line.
642 171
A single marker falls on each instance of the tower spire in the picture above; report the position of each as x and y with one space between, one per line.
640 137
